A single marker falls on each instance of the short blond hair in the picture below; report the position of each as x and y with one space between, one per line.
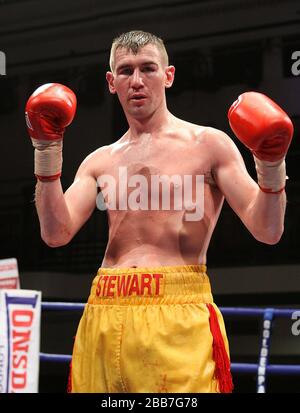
134 41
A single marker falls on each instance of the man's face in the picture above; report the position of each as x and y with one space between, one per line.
140 80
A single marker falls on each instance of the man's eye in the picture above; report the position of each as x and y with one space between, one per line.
125 72
148 69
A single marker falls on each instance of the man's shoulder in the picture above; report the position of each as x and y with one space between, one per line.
96 154
102 155
215 137
217 143
197 128
205 134
95 160
213 133
220 145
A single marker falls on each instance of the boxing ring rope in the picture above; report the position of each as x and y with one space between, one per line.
262 368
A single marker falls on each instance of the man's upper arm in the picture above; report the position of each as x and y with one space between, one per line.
81 195
231 175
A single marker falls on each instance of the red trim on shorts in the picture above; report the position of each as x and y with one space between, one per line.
220 356
69 385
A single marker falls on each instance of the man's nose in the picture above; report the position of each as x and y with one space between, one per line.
136 79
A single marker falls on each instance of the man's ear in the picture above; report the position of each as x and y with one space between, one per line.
110 81
170 75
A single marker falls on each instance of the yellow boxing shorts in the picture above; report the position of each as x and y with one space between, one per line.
151 330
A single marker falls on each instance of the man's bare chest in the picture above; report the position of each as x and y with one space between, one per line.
167 161
168 180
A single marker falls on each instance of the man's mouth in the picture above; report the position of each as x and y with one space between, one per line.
137 97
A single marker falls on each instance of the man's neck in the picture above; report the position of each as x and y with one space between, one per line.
152 125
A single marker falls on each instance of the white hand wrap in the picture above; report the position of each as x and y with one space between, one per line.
47 157
271 176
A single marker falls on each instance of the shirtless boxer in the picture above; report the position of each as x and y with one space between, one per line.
150 324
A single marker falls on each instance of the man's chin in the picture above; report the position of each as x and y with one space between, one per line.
139 113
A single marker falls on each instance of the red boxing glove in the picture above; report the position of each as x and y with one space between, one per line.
48 111
262 126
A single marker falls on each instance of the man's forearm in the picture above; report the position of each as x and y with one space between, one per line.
54 217
266 216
